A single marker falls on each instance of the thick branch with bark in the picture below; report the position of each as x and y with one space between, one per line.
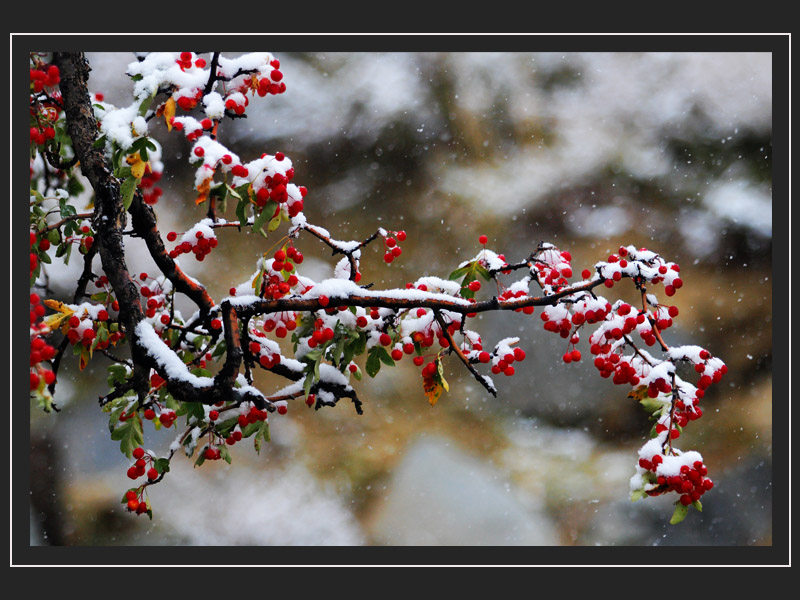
109 214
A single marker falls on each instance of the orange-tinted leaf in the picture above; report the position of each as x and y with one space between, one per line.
434 385
203 189
169 112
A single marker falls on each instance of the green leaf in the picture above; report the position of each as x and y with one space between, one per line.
145 105
373 361
679 515
384 356
117 374
307 383
129 435
637 495
698 505
226 427
263 217
101 141
225 454
482 272
127 190
459 273
161 465
240 210
99 297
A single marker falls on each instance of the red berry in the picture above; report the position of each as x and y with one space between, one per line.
152 474
282 410
385 339
138 453
483 239
216 324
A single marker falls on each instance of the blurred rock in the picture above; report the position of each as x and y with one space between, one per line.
442 496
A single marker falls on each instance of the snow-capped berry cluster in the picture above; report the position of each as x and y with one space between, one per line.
271 178
264 350
199 240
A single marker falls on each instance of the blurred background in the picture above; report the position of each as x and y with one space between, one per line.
671 151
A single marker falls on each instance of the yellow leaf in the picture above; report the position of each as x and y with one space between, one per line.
63 312
138 166
169 112
639 393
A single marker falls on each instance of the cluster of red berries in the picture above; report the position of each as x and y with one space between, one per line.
81 331
135 503
212 453
707 375
150 191
391 248
188 103
234 436
555 268
156 299
201 246
284 260
272 84
186 61
564 325
273 187
139 467
42 135
691 484
503 364
253 416
321 334
237 102
401 349
192 128
425 337
40 349
44 76
609 363
509 294
266 358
